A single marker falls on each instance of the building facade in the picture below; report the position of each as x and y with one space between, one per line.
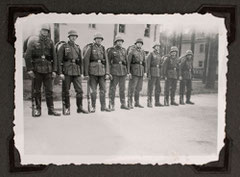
130 32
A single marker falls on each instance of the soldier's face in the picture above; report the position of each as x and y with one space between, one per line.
189 57
72 38
157 48
139 44
119 43
44 32
174 54
98 40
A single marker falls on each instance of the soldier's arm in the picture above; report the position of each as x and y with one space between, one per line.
129 61
180 67
55 62
107 62
149 58
164 67
80 60
192 68
144 62
109 56
60 55
28 55
86 61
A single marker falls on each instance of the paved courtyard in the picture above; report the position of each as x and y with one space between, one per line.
183 130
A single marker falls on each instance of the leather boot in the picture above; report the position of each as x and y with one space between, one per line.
51 110
36 111
181 100
188 99
130 105
80 107
111 105
137 104
149 102
166 101
105 109
123 106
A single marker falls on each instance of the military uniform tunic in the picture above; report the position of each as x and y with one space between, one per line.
170 72
154 67
70 64
137 67
186 72
117 57
96 66
40 58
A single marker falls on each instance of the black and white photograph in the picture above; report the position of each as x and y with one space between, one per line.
93 89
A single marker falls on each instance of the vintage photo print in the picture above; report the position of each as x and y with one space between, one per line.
107 89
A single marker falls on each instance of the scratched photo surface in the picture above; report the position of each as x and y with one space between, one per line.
120 88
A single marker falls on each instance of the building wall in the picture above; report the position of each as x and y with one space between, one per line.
86 34
132 32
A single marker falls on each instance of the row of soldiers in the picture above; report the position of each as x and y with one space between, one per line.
44 62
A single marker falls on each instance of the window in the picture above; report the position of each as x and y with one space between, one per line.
92 26
147 30
121 28
200 64
201 49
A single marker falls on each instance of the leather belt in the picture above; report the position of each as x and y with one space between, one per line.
154 66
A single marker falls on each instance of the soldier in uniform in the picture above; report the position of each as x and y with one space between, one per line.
117 56
136 71
41 64
70 69
97 69
170 74
154 62
185 77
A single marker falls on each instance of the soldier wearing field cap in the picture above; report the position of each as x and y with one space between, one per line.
136 71
70 69
154 64
96 67
170 73
41 64
185 77
117 56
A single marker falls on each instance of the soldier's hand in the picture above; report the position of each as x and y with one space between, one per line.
62 76
107 76
129 76
145 75
31 74
180 78
54 74
149 77
110 77
165 78
82 77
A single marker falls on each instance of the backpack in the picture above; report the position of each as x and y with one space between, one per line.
130 48
59 44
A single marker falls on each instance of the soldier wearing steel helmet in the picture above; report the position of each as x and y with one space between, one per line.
41 64
185 77
136 70
96 69
117 56
70 69
170 74
154 66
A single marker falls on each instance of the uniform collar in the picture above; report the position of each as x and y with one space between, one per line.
117 47
156 52
71 43
97 45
